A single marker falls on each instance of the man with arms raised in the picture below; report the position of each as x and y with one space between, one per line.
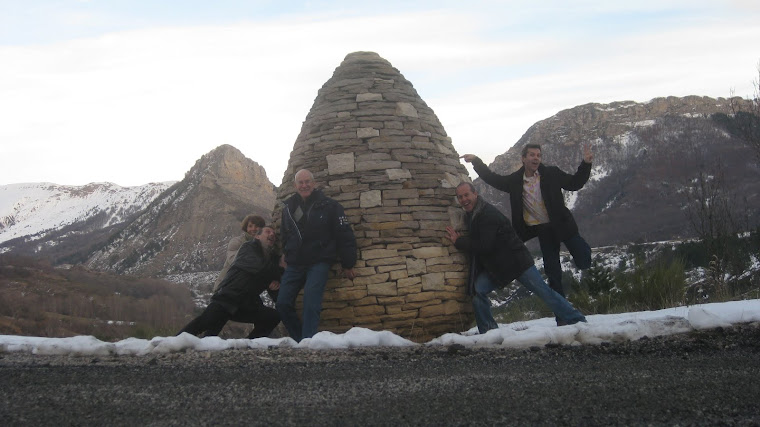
538 206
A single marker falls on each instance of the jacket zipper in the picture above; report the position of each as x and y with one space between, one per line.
300 238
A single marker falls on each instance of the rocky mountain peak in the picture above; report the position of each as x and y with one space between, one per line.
186 228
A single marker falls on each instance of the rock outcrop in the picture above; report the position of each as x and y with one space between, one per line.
377 148
187 228
646 158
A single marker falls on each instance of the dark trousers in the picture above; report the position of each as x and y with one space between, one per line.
550 246
215 316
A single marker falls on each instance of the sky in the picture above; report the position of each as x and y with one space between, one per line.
135 91
520 335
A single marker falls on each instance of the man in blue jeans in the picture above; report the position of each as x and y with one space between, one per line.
538 206
497 257
315 232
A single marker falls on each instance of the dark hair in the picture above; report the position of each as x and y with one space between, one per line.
472 187
261 229
528 146
257 220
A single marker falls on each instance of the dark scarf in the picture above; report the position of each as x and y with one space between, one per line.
474 270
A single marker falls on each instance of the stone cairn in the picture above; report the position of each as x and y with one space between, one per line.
378 149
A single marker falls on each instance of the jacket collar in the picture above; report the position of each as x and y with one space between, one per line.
541 169
315 195
479 205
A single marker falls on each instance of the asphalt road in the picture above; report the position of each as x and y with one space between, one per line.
702 378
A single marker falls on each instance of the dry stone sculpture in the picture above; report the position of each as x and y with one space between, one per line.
376 147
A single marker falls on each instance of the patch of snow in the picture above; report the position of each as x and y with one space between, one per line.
600 328
33 209
644 123
598 173
625 139
571 197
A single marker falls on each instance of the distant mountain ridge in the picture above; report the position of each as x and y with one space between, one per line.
151 230
646 155
52 219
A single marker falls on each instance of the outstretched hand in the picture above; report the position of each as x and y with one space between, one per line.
588 155
349 273
469 158
451 234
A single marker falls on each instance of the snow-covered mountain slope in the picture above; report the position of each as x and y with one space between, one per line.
32 210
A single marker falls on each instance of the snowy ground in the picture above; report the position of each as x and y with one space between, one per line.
599 329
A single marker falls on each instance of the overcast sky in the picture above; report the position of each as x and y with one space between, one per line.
135 91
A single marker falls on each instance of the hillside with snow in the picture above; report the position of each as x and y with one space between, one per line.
35 212
648 158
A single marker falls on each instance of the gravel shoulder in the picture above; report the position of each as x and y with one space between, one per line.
701 378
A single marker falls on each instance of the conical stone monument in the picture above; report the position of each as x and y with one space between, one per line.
377 148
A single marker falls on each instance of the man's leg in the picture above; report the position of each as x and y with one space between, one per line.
264 323
313 291
290 284
264 318
482 305
580 250
212 320
566 313
550 246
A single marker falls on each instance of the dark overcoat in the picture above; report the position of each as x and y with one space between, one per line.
493 245
553 181
249 275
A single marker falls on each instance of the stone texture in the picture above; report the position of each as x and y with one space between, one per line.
375 146
338 164
370 199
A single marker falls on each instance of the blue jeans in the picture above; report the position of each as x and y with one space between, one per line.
312 278
532 280
578 248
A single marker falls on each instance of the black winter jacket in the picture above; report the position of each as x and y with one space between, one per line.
323 233
553 181
493 246
249 275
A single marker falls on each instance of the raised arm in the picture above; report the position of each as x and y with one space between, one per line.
576 181
500 182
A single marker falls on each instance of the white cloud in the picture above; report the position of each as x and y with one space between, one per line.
137 106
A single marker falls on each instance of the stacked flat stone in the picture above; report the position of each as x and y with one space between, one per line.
377 148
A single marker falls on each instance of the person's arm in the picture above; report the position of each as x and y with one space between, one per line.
249 259
344 240
576 181
273 290
500 182
232 249
588 155
484 241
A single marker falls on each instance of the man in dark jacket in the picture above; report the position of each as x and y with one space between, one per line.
255 269
538 207
315 232
497 257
